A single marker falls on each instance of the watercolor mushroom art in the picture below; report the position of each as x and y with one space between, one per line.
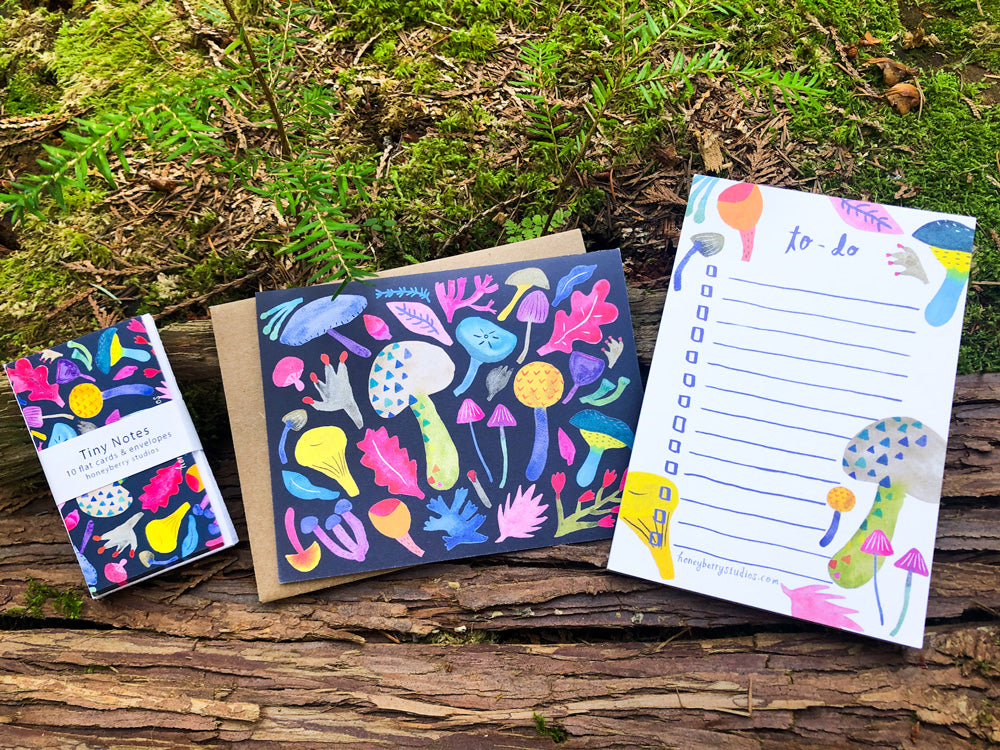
706 244
951 243
741 206
110 351
648 502
288 371
912 562
601 433
904 458
294 420
502 418
86 399
534 308
841 500
404 375
485 341
349 549
469 413
391 518
538 385
877 545
325 315
523 279
324 449
584 369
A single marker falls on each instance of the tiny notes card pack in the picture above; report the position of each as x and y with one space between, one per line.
790 450
448 414
120 454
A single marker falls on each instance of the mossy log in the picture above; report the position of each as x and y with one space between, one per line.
475 653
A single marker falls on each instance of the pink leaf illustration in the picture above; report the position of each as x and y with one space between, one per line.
421 319
522 517
34 380
124 372
393 467
566 448
589 313
813 603
163 485
868 217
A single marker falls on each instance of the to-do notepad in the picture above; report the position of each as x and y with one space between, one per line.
790 450
120 454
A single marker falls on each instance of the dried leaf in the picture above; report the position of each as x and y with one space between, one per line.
710 150
892 71
869 40
904 97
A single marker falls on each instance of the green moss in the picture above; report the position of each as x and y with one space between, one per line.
553 731
68 603
122 50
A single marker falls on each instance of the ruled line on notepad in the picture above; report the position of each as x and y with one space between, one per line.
754 490
768 447
792 403
776 424
803 382
753 541
816 315
807 359
824 294
812 338
752 515
767 469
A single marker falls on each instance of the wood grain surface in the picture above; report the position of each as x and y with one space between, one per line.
472 654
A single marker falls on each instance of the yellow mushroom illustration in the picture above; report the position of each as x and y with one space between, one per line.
648 502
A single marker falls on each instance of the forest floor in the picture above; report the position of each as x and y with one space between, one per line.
143 169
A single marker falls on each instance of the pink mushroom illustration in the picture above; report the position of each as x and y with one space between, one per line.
877 545
469 413
502 418
391 518
912 562
288 372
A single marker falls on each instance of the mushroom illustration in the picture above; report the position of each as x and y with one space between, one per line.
485 341
648 502
67 371
534 308
584 369
841 500
501 417
496 380
523 279
469 413
325 315
538 385
741 206
305 558
163 533
951 243
350 549
335 391
61 432
115 572
324 449
877 545
391 518
601 433
110 350
86 400
35 418
904 458
294 420
705 243
483 498
405 374
288 372
105 502
912 562
148 559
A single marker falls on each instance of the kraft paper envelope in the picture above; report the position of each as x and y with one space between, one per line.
235 328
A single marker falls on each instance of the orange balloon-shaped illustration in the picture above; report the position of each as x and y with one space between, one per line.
391 518
740 206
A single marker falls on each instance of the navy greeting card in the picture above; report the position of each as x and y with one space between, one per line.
447 415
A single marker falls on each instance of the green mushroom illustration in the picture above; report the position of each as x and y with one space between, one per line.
904 458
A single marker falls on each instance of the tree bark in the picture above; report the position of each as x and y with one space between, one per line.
465 655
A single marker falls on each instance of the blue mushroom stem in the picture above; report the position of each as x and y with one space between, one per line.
680 266
588 469
489 474
540 449
878 602
469 376
832 531
503 449
282 456
906 602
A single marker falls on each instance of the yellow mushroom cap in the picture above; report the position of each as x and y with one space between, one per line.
840 499
85 400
